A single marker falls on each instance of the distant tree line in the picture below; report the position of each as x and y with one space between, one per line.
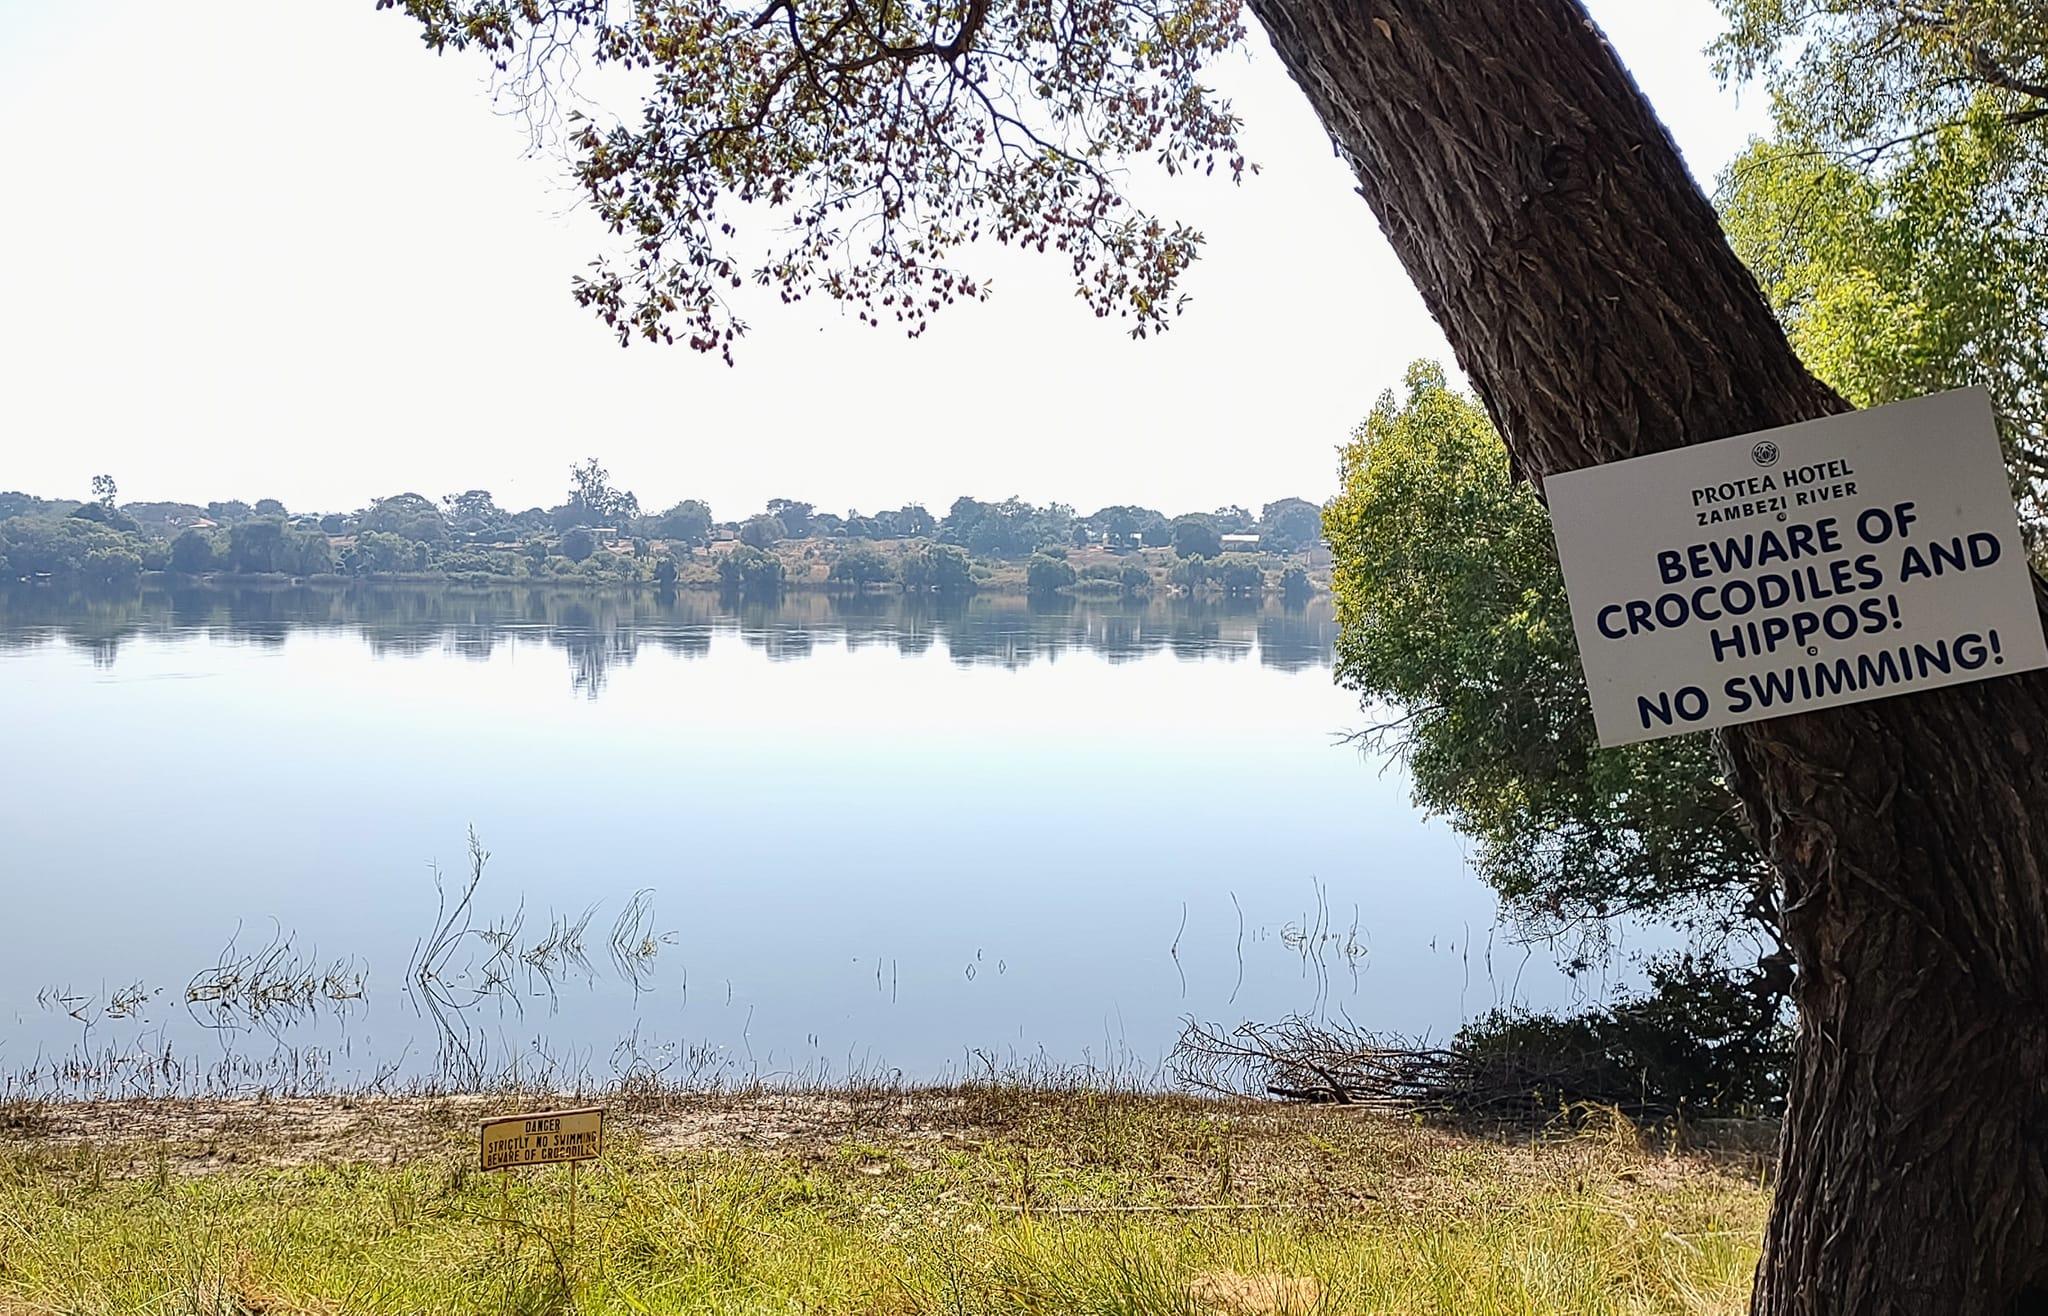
599 532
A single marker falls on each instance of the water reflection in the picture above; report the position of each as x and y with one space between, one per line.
807 836
600 632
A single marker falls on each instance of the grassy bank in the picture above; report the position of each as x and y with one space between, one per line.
965 1201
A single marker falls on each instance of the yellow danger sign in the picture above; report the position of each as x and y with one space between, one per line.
543 1138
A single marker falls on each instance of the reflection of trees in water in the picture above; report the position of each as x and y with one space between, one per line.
685 641
97 624
1122 637
1297 637
598 631
475 642
865 619
779 643
592 654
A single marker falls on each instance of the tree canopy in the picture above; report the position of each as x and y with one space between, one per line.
406 515
1195 536
595 500
1453 623
1897 218
1863 78
688 522
877 141
1290 523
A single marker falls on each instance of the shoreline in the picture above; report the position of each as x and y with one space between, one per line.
275 1130
976 1200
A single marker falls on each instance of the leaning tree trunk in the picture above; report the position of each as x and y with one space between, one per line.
1584 282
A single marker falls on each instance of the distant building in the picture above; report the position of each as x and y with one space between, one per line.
1240 543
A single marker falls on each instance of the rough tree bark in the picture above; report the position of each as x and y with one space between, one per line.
1585 285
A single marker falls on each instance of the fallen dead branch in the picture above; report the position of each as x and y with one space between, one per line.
1299 1059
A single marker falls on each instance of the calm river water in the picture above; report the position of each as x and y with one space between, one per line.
820 837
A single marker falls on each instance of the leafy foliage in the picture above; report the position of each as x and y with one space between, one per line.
106 516
1898 219
193 553
407 515
1010 529
268 546
468 534
942 569
1233 520
1862 78
376 551
473 512
1452 609
595 500
1290 523
1046 574
860 566
1125 525
1196 536
749 571
762 531
794 515
878 137
577 544
1694 1043
67 547
688 522
15 503
1238 574
910 521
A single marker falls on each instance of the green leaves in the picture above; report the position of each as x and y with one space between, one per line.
1898 218
1860 78
1453 621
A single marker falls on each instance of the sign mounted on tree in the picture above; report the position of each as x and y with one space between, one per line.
1856 557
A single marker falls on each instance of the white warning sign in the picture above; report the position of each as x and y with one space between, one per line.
1862 556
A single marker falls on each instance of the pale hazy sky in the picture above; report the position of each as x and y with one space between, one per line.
277 250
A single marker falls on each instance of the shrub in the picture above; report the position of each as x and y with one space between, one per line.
578 544
748 570
1046 574
1696 1042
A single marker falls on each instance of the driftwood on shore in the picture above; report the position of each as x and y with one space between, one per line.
1300 1059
